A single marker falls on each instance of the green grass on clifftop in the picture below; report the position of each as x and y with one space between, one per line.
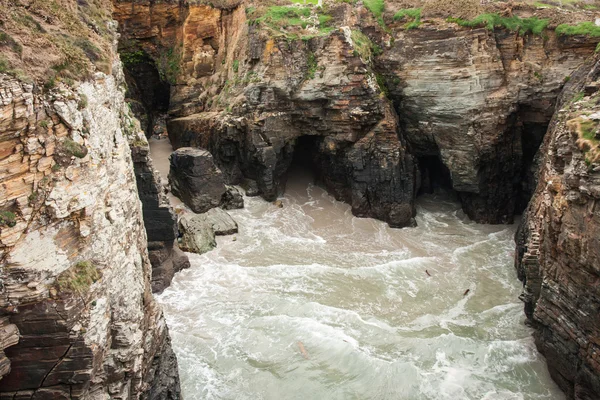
409 13
376 7
491 21
584 29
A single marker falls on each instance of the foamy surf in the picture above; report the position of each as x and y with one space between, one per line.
380 313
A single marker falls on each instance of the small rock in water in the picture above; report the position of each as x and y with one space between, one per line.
234 239
466 292
278 203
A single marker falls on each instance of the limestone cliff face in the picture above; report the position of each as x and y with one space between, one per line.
558 244
372 105
74 267
249 98
480 100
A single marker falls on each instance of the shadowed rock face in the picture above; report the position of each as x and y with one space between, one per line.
477 100
159 219
558 245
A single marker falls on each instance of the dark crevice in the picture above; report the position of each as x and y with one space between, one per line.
147 94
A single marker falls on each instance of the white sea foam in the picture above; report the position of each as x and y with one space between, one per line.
311 302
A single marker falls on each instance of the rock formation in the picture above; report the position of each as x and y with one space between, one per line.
196 180
257 95
558 243
77 315
159 219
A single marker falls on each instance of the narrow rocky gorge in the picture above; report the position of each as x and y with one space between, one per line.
379 109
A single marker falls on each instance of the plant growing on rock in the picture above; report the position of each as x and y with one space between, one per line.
516 24
78 278
583 29
409 13
8 218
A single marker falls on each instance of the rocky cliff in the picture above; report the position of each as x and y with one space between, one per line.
78 319
558 243
378 109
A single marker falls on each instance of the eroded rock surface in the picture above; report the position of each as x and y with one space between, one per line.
558 243
159 219
74 265
196 180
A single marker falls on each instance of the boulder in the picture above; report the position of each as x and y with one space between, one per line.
198 230
197 235
220 221
232 199
196 180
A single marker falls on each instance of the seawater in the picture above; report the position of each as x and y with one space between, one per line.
310 302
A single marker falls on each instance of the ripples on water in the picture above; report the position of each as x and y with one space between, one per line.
355 293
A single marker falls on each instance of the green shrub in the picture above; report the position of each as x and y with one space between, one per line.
584 29
8 218
363 46
78 278
516 24
236 66
382 84
131 58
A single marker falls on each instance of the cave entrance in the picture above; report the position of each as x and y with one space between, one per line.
148 94
435 176
303 167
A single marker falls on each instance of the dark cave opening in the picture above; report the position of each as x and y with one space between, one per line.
302 168
435 176
148 94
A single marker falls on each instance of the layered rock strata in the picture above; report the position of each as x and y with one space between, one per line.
558 243
256 96
74 266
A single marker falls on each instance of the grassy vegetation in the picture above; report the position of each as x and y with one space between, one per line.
413 14
7 41
587 140
78 278
584 29
516 24
285 19
8 218
363 46
284 16
236 66
376 7
382 84
74 148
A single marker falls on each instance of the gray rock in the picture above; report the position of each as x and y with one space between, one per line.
220 221
251 187
198 230
197 234
232 199
196 180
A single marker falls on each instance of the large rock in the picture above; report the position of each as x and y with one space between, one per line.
196 180
198 230
558 245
